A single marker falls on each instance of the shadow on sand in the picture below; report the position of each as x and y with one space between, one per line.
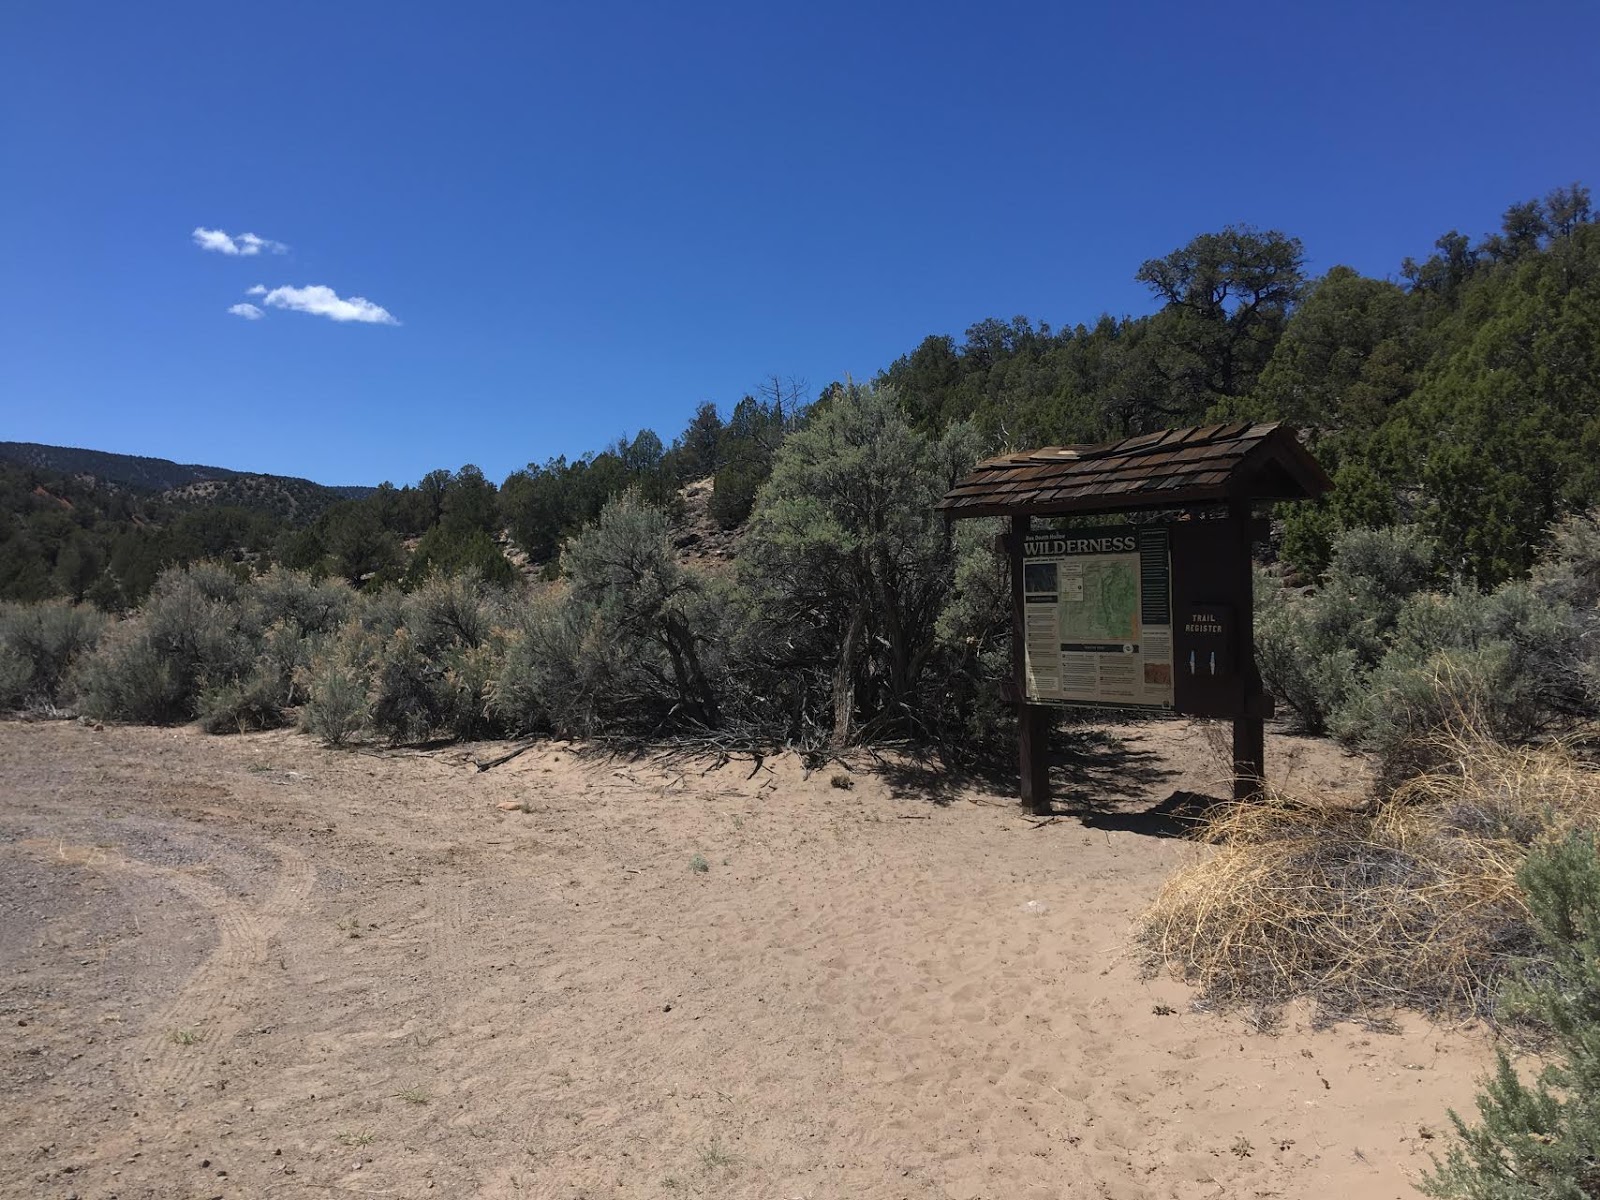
1097 777
1178 816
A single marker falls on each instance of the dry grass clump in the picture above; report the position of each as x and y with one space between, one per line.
1411 904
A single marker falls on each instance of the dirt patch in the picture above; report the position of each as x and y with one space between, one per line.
248 966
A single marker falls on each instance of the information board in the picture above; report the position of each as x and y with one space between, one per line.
1098 605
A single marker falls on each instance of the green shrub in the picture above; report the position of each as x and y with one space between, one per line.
38 645
1495 663
1381 657
539 687
1543 1140
239 706
962 711
439 650
16 678
209 644
408 699
336 699
195 633
847 565
128 678
733 491
1568 575
636 641
1314 649
1298 649
447 550
310 607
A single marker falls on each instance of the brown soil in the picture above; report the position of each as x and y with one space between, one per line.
249 967
696 536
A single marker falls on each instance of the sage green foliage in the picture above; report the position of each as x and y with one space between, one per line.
831 629
1387 650
412 666
636 641
336 700
432 657
848 563
291 616
194 633
1498 659
961 701
1314 650
1568 577
1541 1140
38 645
213 644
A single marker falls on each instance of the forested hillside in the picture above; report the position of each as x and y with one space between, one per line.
139 472
1461 394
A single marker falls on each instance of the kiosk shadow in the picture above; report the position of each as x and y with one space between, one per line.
1093 769
1178 816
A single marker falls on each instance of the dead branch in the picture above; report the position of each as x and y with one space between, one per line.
505 758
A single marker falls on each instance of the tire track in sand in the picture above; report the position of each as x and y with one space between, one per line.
449 954
213 1002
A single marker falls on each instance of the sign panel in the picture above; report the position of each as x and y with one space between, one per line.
1206 640
1098 606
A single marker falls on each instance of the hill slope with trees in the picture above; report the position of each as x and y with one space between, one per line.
1462 395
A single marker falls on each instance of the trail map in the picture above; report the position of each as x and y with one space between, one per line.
1098 618
1100 599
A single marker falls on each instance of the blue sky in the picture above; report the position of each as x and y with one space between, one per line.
589 218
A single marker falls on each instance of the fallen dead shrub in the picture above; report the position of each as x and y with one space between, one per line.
1413 904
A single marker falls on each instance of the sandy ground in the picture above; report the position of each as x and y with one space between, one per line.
251 967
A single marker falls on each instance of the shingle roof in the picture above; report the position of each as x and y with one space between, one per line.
1236 461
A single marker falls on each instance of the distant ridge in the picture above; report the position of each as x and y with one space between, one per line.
145 474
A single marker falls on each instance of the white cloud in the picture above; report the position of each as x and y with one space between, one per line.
248 311
246 245
258 290
322 301
249 243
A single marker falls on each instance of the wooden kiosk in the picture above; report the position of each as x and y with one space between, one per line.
1152 614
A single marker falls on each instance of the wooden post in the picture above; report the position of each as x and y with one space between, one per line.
1249 728
1033 720
1033 755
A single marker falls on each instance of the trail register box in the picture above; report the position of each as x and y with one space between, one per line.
1098 606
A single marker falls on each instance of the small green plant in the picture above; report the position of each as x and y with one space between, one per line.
350 927
713 1157
1241 1147
699 865
186 1037
413 1095
356 1137
842 781
1543 1140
